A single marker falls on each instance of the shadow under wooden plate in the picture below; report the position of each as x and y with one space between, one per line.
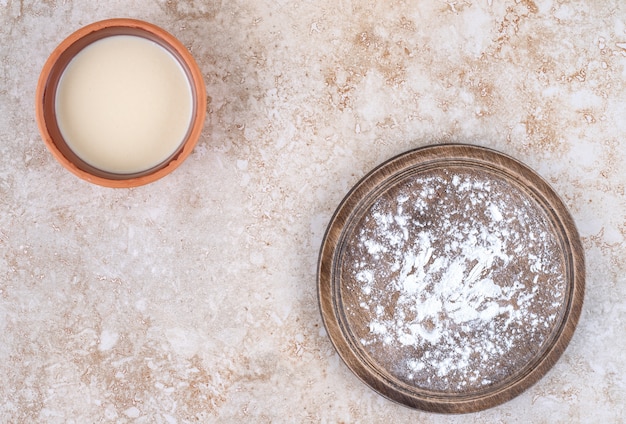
451 278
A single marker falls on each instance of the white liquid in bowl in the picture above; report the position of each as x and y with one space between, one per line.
124 104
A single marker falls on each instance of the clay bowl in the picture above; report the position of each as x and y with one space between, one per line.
49 81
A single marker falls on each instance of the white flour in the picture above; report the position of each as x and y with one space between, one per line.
458 279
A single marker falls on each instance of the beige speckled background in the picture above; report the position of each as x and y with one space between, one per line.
193 299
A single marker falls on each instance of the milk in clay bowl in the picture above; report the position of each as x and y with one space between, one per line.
120 103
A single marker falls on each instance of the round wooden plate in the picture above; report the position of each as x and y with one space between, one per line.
451 278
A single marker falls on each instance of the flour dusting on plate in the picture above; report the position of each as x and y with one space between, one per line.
454 280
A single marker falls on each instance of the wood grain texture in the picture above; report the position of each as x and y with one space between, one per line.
335 298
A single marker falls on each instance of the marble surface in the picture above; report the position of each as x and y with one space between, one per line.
193 299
